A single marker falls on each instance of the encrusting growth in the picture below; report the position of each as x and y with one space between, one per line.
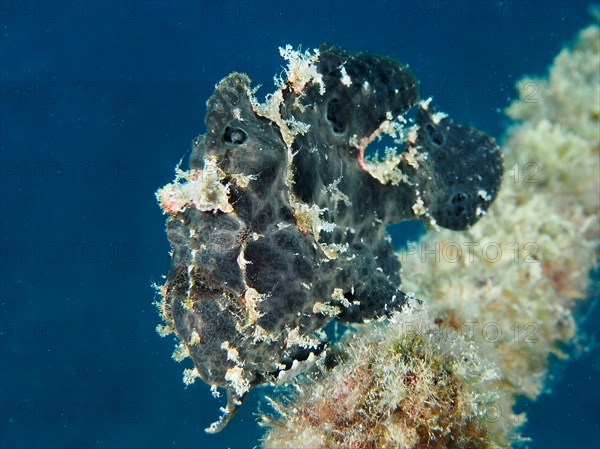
403 384
542 233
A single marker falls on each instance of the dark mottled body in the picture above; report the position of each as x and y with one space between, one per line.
305 242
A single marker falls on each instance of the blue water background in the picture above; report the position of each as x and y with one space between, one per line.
100 101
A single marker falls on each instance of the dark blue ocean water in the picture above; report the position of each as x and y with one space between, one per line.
100 101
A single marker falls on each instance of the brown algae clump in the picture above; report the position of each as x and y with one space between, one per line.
405 384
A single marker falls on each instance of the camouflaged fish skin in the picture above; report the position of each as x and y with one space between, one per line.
302 239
